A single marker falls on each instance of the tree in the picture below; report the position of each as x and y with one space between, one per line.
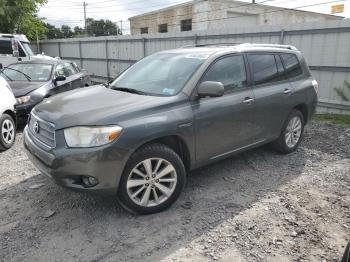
101 27
66 31
53 32
20 17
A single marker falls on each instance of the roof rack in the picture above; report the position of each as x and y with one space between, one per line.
290 47
214 44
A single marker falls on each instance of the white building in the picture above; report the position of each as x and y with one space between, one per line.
218 14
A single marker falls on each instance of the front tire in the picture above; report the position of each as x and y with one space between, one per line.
152 180
7 132
291 134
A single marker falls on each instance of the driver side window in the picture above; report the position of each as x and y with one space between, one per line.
230 71
59 70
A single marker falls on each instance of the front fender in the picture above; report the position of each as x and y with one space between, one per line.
177 121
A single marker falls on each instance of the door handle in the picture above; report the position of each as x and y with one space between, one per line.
248 100
287 91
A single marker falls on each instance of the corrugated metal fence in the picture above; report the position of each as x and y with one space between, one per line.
325 45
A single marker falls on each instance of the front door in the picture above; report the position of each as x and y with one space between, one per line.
224 124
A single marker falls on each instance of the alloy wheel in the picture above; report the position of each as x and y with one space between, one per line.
293 131
8 131
151 182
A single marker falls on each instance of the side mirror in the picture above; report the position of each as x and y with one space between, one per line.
60 78
211 89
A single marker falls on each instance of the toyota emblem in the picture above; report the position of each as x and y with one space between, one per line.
36 127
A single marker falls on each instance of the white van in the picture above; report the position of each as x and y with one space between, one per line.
7 116
14 48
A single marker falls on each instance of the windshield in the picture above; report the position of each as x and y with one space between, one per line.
161 74
27 48
35 72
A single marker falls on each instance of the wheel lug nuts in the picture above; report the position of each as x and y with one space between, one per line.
157 181
147 185
147 178
152 186
153 176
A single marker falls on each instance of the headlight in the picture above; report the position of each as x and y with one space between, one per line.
91 136
23 99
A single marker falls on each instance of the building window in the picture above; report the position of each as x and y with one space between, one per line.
163 28
186 25
144 30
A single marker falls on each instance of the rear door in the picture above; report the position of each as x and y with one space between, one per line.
224 124
272 92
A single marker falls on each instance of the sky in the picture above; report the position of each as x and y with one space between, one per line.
70 12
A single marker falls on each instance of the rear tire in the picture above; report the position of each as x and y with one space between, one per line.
152 180
7 132
291 134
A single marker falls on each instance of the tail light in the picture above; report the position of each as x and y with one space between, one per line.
315 85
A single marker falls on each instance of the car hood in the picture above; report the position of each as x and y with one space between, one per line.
22 88
97 105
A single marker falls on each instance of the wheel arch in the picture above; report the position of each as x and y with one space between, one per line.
12 114
304 111
176 143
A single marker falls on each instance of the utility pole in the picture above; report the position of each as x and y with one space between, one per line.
121 27
84 5
253 1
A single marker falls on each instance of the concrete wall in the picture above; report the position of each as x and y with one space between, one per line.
224 14
325 46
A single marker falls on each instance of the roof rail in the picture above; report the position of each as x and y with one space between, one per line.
214 44
290 47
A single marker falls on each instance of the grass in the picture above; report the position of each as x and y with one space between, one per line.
335 119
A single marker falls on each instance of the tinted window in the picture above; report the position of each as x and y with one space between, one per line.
279 64
264 68
69 69
21 52
292 65
230 71
5 47
59 70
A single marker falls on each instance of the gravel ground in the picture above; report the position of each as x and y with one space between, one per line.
257 206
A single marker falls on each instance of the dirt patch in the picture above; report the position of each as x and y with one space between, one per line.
257 206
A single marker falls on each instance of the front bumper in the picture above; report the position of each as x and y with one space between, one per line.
67 166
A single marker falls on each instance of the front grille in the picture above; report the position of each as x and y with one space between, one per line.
42 131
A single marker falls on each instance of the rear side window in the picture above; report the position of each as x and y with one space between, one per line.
230 71
263 68
292 65
5 47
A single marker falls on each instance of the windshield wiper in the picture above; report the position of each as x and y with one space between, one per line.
129 90
26 76
9 78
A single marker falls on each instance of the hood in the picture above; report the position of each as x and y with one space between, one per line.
22 88
97 105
